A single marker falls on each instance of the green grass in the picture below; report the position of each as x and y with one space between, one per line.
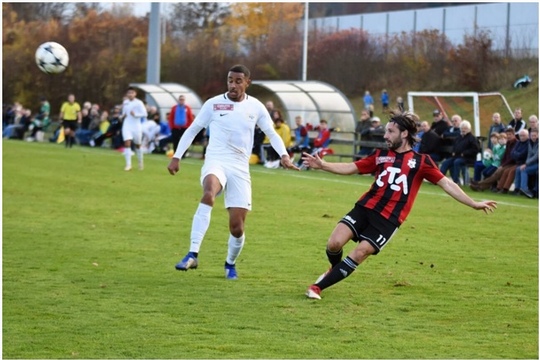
89 254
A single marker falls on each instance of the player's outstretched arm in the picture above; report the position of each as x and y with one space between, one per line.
455 191
315 162
174 166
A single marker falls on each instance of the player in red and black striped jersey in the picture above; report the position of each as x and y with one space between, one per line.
399 172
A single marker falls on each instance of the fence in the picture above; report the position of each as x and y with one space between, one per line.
513 27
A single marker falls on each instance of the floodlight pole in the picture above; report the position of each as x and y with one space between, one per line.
153 64
305 50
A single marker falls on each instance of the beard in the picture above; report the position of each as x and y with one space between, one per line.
393 145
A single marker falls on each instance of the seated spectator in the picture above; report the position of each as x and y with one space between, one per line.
496 127
450 134
323 138
113 132
519 155
491 159
463 152
374 133
506 162
533 123
283 130
529 171
301 139
439 124
419 134
89 126
257 150
430 142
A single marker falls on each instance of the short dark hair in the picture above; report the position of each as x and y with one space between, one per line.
239 68
405 120
131 88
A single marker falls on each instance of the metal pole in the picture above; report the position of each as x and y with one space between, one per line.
507 43
153 65
305 50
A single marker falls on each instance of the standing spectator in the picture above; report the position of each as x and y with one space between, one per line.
374 133
439 124
400 104
496 127
524 172
430 142
517 123
180 118
378 214
132 111
453 131
385 100
70 115
368 103
226 165
463 152
362 125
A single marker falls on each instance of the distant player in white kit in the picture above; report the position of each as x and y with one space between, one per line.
231 118
133 110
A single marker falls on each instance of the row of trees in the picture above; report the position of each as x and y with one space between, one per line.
108 51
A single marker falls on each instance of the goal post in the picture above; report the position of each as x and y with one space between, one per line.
475 96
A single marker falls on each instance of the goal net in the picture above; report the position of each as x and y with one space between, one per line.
477 108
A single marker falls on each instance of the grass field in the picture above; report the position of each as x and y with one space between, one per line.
89 254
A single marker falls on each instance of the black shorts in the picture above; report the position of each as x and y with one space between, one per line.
70 124
370 226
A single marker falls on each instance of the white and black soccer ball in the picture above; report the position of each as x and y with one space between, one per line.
488 155
52 58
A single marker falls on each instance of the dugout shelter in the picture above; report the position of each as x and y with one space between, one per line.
312 100
165 95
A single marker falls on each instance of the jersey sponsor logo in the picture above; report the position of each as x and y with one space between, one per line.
385 159
223 107
396 183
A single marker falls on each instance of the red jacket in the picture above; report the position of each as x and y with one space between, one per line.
189 118
323 139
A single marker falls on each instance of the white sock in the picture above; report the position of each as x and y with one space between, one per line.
139 155
127 155
199 226
235 247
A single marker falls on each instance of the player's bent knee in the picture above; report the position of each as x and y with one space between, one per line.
237 230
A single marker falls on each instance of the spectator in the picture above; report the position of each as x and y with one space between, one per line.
463 152
400 104
449 136
44 113
529 170
323 138
419 134
385 100
506 162
517 123
533 123
270 107
368 102
180 118
301 139
439 124
430 142
362 125
519 155
113 132
491 159
497 126
284 132
374 133
70 116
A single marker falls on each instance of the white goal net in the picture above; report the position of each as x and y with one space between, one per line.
475 107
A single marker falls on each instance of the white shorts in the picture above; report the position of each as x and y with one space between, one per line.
236 183
132 131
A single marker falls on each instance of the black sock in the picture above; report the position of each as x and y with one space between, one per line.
71 141
338 273
334 257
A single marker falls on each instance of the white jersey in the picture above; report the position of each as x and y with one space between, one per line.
231 125
138 108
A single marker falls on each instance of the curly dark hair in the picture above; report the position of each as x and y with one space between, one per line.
405 120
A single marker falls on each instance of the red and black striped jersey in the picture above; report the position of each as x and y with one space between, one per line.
398 177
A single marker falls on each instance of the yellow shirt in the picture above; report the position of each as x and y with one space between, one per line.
70 110
284 131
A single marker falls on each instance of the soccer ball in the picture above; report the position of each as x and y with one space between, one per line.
488 155
52 58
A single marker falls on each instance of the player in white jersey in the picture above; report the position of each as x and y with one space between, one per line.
133 110
231 118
